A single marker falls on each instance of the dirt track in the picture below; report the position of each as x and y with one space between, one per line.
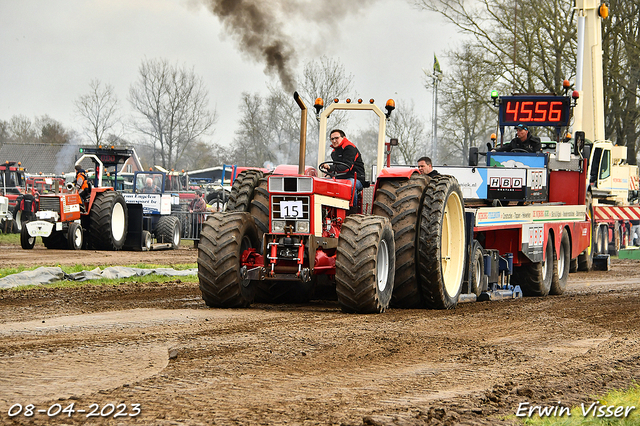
310 364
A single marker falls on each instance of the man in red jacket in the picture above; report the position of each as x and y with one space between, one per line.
344 151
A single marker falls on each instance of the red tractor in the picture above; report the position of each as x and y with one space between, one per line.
61 223
288 233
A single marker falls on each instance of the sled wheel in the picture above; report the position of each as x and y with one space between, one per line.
561 272
147 240
535 278
585 259
477 278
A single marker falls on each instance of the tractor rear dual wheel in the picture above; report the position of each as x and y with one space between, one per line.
168 230
400 200
441 243
242 191
365 264
224 238
108 221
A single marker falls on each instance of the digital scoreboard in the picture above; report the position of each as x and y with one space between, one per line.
535 110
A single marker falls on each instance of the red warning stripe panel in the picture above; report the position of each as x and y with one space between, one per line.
617 212
634 183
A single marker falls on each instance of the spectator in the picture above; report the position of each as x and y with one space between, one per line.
196 207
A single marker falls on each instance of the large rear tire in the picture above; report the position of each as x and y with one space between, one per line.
168 230
535 278
400 201
561 271
108 221
242 190
365 264
441 243
224 237
259 208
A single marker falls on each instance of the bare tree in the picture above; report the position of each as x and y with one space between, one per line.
173 103
99 110
467 117
22 130
252 146
527 44
406 125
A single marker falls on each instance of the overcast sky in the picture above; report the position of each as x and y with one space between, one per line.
51 49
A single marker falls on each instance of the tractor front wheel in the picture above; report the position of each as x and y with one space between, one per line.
75 236
26 241
365 264
223 240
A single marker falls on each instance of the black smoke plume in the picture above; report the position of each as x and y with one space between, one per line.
258 26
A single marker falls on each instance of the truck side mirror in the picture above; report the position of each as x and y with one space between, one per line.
586 151
473 156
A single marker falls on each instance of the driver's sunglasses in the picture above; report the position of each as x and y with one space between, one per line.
336 138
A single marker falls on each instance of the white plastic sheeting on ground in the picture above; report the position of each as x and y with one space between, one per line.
45 275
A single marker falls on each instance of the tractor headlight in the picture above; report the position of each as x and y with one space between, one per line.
277 226
302 227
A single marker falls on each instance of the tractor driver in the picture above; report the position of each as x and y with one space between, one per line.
150 187
346 152
524 141
82 184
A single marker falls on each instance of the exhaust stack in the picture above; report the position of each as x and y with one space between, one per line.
303 132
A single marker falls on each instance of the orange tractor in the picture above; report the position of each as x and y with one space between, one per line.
61 223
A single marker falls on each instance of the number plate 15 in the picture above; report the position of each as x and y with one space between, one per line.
291 209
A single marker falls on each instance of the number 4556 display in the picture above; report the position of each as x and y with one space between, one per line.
540 110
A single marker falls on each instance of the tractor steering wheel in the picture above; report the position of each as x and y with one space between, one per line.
519 150
333 173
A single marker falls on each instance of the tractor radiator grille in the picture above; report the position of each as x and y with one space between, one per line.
289 207
50 204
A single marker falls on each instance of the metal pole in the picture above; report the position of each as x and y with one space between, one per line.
434 156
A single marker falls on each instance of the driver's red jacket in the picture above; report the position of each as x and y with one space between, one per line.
347 153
